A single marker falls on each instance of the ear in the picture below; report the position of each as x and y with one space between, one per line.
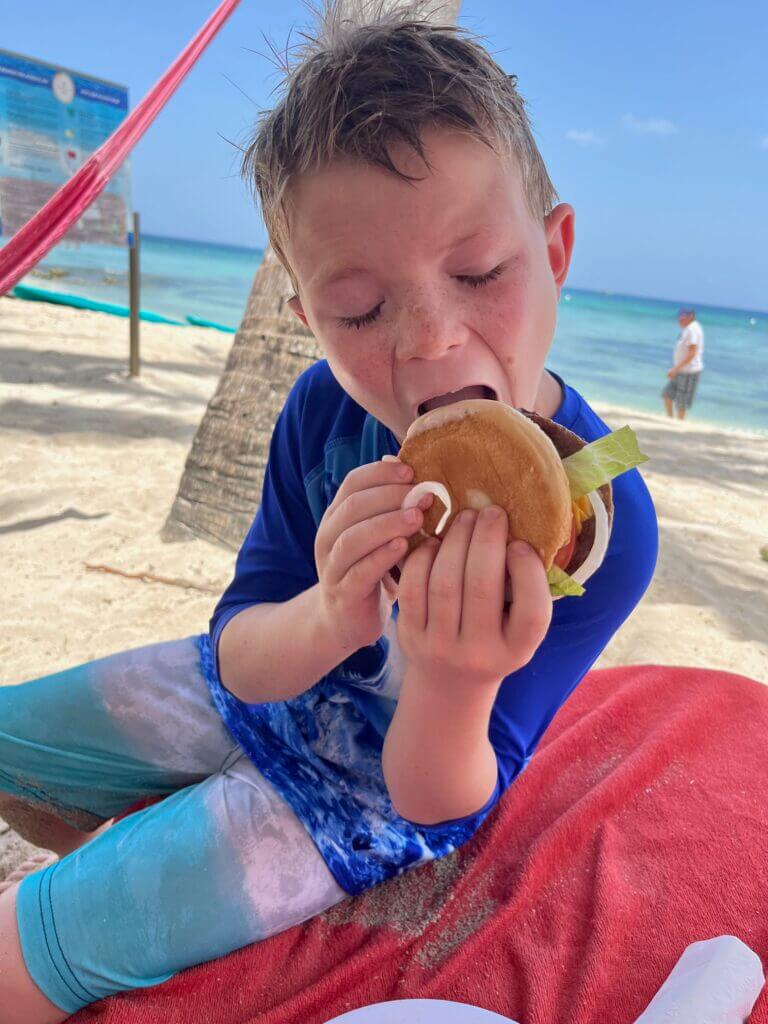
295 304
559 231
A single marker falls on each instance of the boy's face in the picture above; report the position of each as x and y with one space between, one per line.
417 290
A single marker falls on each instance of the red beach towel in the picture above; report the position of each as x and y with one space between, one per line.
638 828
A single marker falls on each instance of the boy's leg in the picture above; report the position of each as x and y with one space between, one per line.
212 868
23 1002
668 405
41 828
79 746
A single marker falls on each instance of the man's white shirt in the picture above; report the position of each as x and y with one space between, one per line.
691 335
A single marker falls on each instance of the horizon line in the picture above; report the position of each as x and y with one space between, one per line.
574 288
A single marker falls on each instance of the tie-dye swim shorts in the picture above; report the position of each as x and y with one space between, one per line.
221 862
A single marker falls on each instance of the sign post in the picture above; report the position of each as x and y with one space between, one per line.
135 300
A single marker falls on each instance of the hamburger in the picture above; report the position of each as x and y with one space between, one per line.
554 486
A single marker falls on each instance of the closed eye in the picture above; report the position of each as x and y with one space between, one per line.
473 280
360 321
478 280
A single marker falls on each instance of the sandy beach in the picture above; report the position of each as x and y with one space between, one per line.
91 460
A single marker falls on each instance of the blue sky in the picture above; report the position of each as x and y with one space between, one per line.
652 118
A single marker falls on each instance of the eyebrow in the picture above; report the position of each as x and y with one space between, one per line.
457 243
337 274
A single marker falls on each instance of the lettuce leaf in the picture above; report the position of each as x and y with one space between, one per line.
600 461
561 584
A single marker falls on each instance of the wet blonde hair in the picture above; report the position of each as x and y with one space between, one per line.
371 78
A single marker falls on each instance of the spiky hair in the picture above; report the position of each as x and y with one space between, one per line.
372 76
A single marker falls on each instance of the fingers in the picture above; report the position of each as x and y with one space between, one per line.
531 610
451 600
370 493
358 541
368 572
465 590
446 580
483 595
373 474
412 589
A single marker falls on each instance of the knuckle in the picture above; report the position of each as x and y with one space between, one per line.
342 545
531 628
534 624
353 503
354 477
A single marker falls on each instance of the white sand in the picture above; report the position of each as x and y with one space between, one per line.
91 460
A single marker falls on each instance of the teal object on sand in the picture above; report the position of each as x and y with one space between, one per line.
23 291
197 321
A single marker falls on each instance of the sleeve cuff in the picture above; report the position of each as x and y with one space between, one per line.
215 633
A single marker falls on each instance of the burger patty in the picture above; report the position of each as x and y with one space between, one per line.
567 443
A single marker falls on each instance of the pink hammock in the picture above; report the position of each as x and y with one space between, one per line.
52 221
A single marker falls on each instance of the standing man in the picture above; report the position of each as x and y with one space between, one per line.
688 364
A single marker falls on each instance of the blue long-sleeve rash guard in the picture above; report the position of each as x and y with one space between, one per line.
322 750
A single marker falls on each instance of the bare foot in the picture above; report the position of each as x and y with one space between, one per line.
36 862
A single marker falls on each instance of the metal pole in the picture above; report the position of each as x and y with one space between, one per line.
135 281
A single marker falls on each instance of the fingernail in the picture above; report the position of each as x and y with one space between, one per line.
519 547
404 472
412 515
491 514
468 515
426 501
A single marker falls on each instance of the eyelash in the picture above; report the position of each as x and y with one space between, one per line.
360 321
478 280
473 280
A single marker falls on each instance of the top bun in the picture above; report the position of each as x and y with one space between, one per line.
487 453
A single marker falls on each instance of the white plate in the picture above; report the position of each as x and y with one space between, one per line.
420 1011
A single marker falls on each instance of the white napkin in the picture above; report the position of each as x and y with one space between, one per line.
716 981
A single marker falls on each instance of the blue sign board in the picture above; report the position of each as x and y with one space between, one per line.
51 121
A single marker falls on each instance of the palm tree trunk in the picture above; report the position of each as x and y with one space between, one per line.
220 488
221 484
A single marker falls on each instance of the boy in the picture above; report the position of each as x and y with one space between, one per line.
405 195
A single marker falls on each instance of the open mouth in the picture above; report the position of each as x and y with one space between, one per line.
462 395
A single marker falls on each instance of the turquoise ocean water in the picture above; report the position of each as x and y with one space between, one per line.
612 348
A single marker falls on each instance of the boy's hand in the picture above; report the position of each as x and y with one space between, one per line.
453 627
360 538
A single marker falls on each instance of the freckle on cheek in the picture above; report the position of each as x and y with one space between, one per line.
366 371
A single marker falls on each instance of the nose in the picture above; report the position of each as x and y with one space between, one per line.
429 328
